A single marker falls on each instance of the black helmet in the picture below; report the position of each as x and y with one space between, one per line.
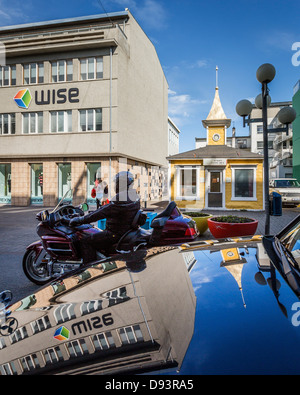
123 179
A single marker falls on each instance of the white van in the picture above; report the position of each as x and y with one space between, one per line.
288 188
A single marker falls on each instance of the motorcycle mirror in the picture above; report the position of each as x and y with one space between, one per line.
5 298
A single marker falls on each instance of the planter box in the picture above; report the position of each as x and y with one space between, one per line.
221 230
201 222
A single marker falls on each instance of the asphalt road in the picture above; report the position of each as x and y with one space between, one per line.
18 230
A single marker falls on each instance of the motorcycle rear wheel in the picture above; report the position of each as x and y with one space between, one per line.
34 269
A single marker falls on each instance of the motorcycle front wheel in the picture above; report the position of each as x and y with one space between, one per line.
35 268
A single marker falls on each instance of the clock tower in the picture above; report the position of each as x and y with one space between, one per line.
216 123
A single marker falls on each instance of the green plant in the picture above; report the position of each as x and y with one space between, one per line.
231 219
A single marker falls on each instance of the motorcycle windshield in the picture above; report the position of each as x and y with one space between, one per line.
66 199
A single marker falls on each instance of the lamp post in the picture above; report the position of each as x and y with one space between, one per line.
265 74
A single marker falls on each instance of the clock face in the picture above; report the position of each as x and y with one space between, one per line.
216 137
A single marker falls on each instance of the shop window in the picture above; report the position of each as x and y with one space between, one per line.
90 120
32 122
244 184
33 73
61 121
64 179
62 70
8 75
5 183
93 172
187 183
36 196
91 68
7 123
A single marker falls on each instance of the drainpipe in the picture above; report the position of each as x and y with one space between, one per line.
110 124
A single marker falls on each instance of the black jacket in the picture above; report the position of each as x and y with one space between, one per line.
119 214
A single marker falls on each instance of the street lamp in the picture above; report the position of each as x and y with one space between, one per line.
265 74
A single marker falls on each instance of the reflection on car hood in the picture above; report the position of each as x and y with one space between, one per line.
210 308
287 190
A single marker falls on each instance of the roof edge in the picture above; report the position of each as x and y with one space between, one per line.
54 22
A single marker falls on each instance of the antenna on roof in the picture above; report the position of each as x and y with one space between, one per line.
101 5
217 68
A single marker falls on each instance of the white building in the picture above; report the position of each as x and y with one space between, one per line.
173 138
80 97
280 144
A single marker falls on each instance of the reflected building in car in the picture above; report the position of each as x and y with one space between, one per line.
80 98
105 319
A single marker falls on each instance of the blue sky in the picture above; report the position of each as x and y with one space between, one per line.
192 37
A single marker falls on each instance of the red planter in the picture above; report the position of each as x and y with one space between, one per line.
221 230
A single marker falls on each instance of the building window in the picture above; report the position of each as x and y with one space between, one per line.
7 123
8 369
18 335
187 183
244 183
30 362
77 348
93 172
36 183
53 355
33 73
64 312
5 183
259 128
103 341
64 178
61 121
131 334
91 306
8 75
62 70
260 144
91 68
40 325
33 122
90 120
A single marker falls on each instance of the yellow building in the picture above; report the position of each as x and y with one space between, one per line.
217 176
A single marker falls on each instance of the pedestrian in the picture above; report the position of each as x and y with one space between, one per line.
105 194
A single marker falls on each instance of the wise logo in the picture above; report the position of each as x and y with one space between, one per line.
62 333
23 98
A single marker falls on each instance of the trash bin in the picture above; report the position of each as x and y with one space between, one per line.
275 204
150 217
102 224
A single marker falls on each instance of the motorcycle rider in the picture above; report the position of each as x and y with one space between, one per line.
119 214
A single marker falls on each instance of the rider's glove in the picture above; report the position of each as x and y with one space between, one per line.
76 221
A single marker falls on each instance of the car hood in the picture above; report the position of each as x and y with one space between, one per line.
207 308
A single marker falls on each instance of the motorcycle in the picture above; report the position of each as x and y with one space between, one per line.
57 251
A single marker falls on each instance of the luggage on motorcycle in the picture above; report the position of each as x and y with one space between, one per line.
160 220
